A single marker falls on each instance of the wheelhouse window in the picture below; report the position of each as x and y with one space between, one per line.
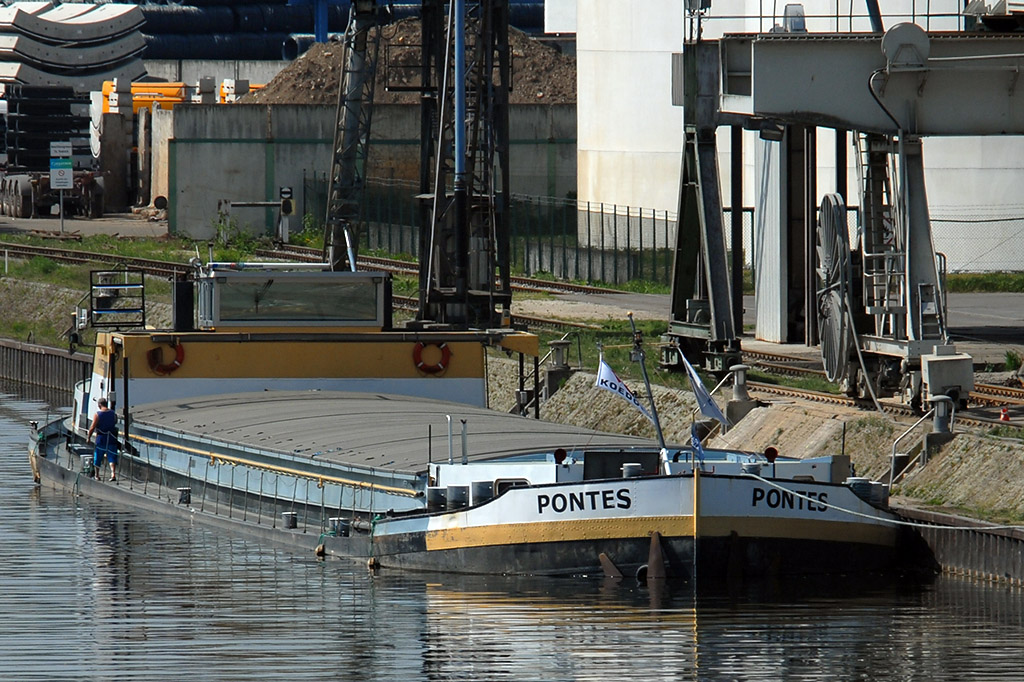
292 299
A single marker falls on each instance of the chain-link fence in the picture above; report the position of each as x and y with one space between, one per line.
975 242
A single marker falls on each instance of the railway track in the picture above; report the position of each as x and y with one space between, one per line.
983 395
996 396
169 269
150 267
894 409
524 284
786 369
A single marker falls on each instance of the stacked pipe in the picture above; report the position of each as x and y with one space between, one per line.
235 29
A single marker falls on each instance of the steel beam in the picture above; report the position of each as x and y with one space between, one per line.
966 84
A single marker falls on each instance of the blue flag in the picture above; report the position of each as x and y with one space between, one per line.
698 450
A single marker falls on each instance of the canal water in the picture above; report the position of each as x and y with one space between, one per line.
93 591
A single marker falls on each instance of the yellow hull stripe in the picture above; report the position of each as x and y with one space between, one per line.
797 529
285 359
558 531
216 457
678 526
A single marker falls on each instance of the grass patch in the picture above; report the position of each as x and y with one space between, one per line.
1011 432
616 337
40 269
76 277
175 250
38 331
1013 361
403 285
311 234
985 282
641 286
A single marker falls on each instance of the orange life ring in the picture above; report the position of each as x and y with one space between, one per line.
438 367
155 358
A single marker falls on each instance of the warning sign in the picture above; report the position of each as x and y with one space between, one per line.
61 174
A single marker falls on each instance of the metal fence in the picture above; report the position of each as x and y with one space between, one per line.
596 242
567 239
979 240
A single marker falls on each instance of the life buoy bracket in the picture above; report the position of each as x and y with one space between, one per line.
437 367
155 359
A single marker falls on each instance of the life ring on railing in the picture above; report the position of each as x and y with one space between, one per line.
155 358
436 368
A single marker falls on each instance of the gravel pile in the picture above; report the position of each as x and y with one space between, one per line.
540 73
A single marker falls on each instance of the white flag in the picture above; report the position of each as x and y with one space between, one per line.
707 405
609 381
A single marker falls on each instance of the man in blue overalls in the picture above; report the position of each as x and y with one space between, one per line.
105 426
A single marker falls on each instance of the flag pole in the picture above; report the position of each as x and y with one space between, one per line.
638 355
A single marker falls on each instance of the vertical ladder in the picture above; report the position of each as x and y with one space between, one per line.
884 257
929 312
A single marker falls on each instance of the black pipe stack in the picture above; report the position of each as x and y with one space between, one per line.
235 29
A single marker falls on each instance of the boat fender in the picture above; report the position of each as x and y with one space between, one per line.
155 358
436 368
372 563
320 550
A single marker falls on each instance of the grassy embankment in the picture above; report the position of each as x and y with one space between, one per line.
615 336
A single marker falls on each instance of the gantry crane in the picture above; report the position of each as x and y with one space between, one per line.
464 173
465 74
351 134
875 300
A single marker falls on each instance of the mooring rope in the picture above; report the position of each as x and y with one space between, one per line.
895 522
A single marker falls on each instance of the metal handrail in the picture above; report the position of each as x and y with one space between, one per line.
892 456
532 373
579 352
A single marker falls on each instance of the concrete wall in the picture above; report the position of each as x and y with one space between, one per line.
542 141
542 155
239 153
560 16
191 70
161 130
630 134
207 153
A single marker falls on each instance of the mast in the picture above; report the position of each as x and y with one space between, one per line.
637 354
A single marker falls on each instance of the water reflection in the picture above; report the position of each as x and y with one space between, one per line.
94 591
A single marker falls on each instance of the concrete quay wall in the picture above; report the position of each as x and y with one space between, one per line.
963 546
42 366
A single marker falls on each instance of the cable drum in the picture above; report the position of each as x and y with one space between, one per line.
834 286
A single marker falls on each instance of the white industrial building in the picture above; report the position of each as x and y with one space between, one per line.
630 135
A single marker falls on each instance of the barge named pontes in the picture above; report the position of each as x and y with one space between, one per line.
290 407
